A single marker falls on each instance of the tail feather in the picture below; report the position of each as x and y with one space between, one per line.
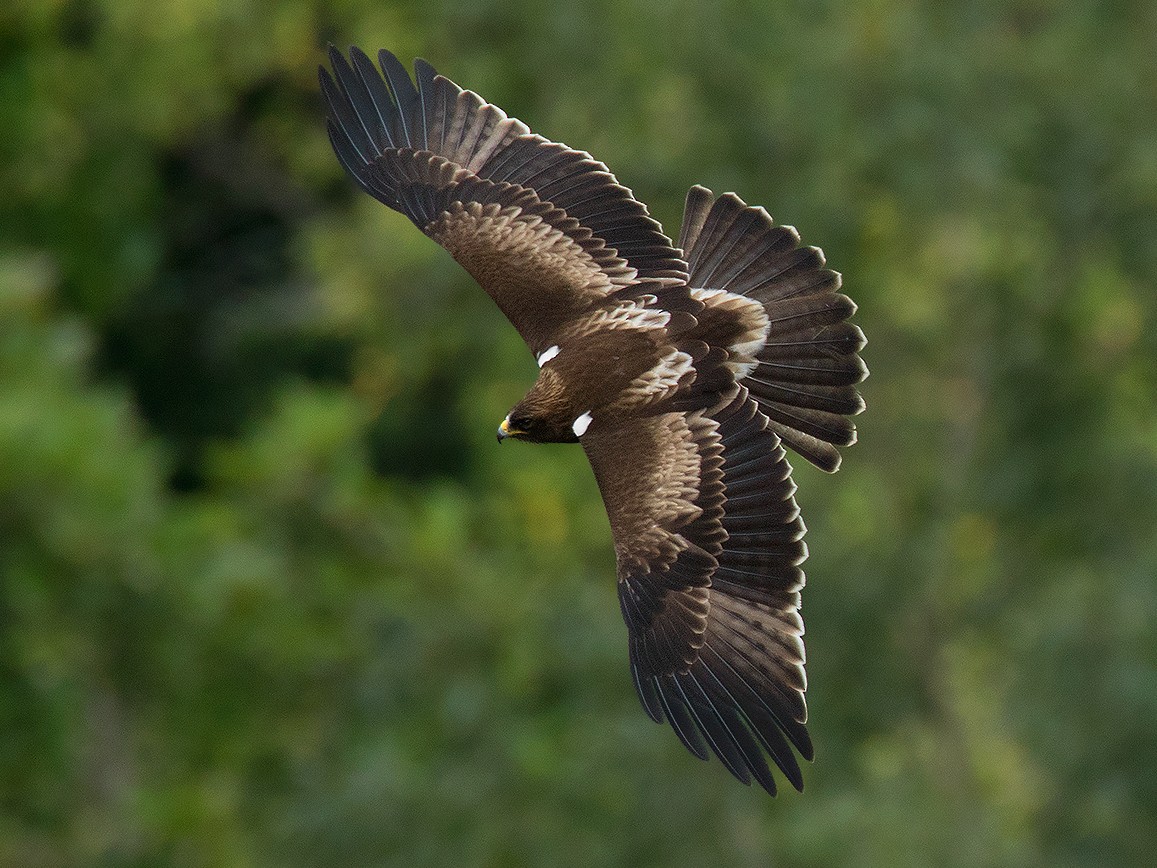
805 374
695 211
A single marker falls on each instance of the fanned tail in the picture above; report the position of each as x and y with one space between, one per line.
806 371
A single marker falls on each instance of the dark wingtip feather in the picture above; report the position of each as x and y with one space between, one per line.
646 690
405 95
424 75
351 106
382 104
681 721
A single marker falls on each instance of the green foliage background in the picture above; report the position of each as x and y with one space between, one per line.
271 595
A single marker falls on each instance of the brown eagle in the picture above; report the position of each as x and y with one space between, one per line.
683 371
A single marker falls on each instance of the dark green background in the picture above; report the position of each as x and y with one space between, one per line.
270 594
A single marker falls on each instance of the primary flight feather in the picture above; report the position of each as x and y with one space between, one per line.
682 371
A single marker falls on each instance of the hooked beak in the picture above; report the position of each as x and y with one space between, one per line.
507 430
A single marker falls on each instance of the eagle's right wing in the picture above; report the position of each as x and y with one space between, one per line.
709 543
546 230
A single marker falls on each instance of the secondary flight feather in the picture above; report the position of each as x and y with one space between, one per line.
683 372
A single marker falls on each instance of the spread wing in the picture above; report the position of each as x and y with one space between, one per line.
709 543
546 230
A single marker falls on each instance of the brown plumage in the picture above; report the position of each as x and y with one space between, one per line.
682 372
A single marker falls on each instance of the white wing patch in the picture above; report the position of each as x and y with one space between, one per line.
581 424
546 355
658 382
631 313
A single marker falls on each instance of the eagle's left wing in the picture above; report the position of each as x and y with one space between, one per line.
546 230
709 543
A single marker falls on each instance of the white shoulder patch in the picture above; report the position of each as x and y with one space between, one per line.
546 355
581 424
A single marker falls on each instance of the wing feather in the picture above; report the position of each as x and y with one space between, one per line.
678 716
380 101
405 95
713 727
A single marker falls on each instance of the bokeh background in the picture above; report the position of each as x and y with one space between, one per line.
270 594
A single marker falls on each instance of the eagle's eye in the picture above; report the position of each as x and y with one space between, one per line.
521 422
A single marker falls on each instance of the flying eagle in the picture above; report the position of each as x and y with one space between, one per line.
683 372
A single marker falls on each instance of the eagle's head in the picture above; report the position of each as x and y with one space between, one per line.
546 415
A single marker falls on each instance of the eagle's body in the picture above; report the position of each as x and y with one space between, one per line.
681 371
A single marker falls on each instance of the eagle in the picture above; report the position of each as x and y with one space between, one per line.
683 371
